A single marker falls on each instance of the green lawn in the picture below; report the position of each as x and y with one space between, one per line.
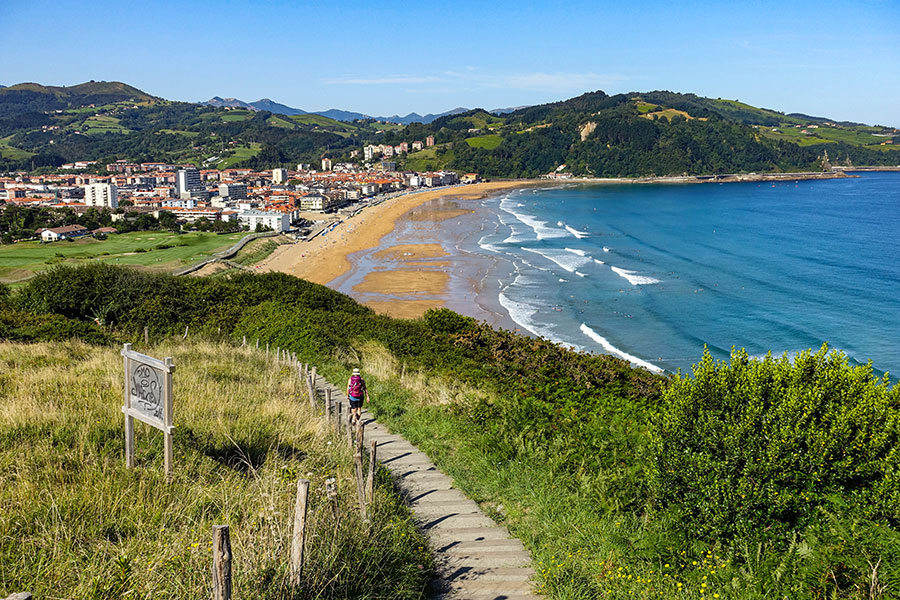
21 261
180 132
488 142
278 121
427 160
241 153
237 115
7 151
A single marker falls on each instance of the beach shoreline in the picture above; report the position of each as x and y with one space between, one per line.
420 280
410 277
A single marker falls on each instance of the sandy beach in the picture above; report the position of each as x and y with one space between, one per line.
405 279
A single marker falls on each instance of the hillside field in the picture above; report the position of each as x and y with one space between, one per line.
140 248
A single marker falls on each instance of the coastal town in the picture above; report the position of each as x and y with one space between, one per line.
279 200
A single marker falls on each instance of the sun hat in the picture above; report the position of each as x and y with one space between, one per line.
356 371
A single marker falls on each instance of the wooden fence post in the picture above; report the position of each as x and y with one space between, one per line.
257 343
337 420
267 350
243 340
221 570
327 398
184 337
311 390
329 409
370 481
313 375
299 538
146 335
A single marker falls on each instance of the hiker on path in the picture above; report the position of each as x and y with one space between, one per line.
356 393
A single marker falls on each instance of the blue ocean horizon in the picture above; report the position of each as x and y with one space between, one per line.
655 273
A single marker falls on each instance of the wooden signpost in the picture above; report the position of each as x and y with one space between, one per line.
148 398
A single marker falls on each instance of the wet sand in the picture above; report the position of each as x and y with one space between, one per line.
403 279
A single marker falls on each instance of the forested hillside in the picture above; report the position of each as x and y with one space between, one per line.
626 135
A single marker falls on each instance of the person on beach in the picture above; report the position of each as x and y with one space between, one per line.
356 393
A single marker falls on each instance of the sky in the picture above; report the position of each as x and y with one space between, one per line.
836 59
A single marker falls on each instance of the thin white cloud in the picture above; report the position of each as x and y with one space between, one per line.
470 78
390 79
556 82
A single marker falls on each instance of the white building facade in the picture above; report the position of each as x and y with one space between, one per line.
101 194
275 221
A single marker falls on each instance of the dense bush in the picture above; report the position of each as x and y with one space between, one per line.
759 447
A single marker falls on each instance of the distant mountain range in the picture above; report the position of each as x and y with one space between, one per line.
341 115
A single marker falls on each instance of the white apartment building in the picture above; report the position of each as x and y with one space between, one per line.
326 164
279 175
101 194
275 221
187 181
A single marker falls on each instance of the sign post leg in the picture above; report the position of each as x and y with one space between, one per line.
129 441
168 456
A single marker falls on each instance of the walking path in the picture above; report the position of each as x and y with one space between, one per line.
477 559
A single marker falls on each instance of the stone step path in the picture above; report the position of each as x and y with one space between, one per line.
477 559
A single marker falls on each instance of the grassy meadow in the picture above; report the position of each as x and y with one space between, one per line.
748 479
158 250
77 524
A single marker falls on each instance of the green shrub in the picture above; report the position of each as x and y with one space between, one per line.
757 447
444 320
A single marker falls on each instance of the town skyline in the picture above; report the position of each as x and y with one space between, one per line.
814 57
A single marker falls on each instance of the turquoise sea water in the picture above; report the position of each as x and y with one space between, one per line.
655 272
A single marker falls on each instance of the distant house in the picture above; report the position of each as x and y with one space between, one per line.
62 233
105 230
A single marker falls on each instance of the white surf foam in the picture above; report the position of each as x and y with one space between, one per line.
580 274
575 251
541 229
633 278
613 350
599 262
564 259
605 249
523 314
579 234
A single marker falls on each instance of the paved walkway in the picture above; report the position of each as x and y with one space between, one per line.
477 558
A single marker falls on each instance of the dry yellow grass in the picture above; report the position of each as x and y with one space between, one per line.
77 524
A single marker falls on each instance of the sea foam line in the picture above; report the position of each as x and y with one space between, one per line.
522 314
633 278
579 234
563 259
613 350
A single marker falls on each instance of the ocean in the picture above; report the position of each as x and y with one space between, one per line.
653 273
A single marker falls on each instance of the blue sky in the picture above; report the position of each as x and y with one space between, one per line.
828 58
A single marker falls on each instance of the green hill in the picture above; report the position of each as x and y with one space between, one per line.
34 97
647 133
595 134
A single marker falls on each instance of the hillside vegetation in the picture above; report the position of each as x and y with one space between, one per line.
625 135
749 479
77 524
